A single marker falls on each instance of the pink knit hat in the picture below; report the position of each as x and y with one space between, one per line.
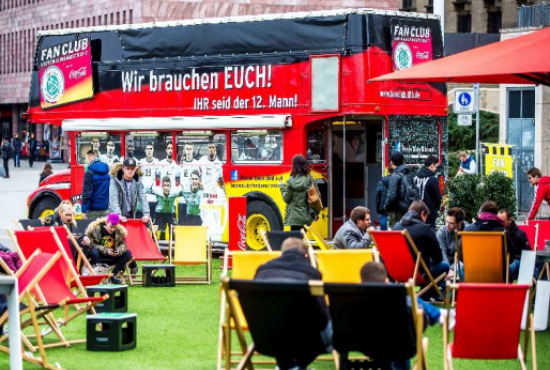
113 218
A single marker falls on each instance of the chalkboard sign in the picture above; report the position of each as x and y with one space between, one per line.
417 138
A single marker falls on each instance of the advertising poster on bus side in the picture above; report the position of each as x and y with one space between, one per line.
65 73
411 43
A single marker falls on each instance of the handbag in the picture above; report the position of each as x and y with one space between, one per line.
313 198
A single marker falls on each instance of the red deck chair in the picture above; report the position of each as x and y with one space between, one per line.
28 276
488 324
531 232
140 243
402 266
543 232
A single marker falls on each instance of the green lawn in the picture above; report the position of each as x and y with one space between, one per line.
178 329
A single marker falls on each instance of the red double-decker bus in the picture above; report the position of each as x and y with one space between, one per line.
220 107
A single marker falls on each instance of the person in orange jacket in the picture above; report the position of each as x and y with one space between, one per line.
542 190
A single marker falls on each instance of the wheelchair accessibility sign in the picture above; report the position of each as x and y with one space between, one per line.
464 101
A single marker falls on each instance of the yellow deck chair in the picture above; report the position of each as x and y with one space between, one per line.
485 257
189 245
321 243
344 265
244 266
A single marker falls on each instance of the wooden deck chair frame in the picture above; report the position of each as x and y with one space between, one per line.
264 238
528 335
247 362
419 263
35 313
321 243
225 354
55 325
506 256
208 260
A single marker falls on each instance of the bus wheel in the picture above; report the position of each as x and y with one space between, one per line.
260 216
45 208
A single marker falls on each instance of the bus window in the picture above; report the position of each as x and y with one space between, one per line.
316 146
257 146
148 147
196 145
107 146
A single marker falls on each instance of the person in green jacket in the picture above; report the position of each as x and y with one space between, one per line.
294 192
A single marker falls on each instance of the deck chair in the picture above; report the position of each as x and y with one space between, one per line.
276 238
531 232
139 241
488 320
283 318
244 266
50 290
52 240
485 257
28 276
25 223
82 226
395 248
189 245
376 320
320 242
343 266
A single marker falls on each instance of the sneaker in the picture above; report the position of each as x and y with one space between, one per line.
114 279
134 272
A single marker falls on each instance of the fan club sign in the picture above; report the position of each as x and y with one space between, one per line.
411 45
65 73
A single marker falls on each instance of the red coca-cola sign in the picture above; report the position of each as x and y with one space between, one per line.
237 223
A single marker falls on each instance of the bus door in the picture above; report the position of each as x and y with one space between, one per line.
356 168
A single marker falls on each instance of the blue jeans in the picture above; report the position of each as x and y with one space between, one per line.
383 221
437 268
16 159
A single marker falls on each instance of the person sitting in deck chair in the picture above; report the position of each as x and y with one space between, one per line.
375 272
294 265
108 246
353 234
423 236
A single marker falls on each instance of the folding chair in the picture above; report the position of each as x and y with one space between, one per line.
343 266
189 245
531 231
484 256
543 232
378 321
403 260
28 276
82 226
244 266
488 324
139 241
321 243
275 239
283 318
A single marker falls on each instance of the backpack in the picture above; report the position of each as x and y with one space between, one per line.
408 191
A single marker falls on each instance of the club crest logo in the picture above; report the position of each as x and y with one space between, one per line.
52 84
402 56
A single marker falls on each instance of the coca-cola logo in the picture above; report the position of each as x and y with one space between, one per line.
77 73
241 225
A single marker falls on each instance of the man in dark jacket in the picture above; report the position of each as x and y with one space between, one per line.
519 238
95 190
488 220
6 150
294 265
423 237
32 149
16 145
381 195
397 201
428 188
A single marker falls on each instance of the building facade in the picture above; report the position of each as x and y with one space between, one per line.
21 20
473 16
